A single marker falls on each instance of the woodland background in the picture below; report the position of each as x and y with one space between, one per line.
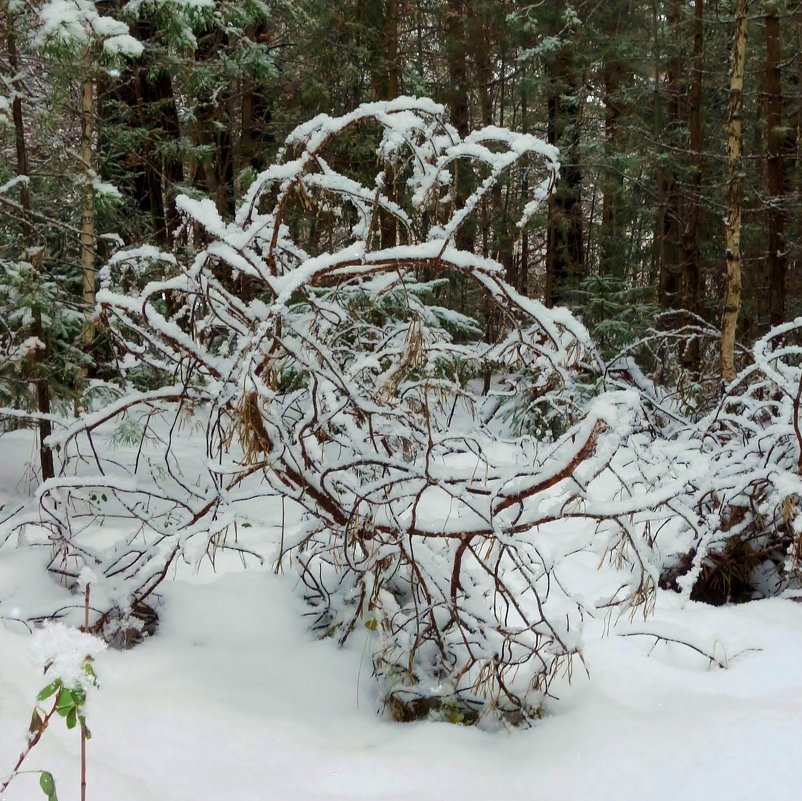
266 304
638 96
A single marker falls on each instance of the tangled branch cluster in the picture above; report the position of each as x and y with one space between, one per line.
741 472
334 379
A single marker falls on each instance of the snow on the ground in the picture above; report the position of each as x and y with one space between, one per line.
233 700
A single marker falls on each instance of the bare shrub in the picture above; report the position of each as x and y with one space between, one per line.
741 500
334 377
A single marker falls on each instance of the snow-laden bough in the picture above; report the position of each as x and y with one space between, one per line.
315 329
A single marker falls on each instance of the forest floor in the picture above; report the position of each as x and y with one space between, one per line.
234 700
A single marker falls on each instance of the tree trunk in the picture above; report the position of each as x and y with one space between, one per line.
691 265
158 113
669 224
215 172
732 230
385 76
37 328
523 268
88 237
565 254
255 112
482 35
611 250
457 91
393 68
776 167
457 100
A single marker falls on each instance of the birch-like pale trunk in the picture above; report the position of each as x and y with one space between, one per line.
732 230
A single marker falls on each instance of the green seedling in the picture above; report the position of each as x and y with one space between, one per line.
66 701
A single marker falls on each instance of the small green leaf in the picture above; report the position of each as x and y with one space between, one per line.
104 496
51 688
48 784
65 696
72 718
372 624
65 702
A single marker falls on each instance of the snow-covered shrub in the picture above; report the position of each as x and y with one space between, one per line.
332 378
680 360
742 499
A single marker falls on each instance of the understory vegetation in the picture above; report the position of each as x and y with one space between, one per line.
454 471
352 326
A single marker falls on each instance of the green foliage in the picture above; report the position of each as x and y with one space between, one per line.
68 702
39 316
528 405
615 312
48 785
128 432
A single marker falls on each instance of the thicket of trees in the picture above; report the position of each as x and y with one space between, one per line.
337 293
679 182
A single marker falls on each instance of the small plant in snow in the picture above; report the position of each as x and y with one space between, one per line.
67 657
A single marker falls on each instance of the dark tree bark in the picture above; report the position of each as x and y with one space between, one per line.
155 169
456 97
483 35
611 261
565 254
668 236
212 129
456 47
256 115
386 78
158 113
778 146
692 257
382 18
37 329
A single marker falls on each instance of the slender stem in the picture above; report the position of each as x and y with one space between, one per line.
83 763
83 726
33 739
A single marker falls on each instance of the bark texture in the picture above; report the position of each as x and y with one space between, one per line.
732 231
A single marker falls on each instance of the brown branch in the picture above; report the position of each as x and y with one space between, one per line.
38 726
455 583
583 453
